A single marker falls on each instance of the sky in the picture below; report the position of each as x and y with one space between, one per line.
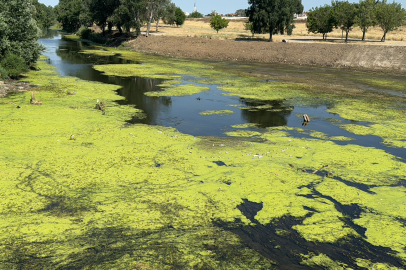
228 6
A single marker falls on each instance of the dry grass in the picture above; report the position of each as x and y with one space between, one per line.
236 30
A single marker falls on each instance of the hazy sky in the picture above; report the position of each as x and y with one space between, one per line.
228 6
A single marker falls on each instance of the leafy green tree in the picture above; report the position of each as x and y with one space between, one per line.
320 20
218 23
273 16
14 65
240 12
44 15
345 14
180 16
68 13
365 16
19 31
389 16
136 10
100 11
195 14
169 15
161 12
154 11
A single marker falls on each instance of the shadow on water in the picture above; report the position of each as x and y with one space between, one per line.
279 242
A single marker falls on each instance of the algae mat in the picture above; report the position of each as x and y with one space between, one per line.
117 196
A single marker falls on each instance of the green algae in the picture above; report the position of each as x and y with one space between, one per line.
384 118
178 90
247 125
395 85
393 236
220 112
156 191
323 261
370 265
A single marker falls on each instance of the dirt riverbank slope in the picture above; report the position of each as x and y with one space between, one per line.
362 56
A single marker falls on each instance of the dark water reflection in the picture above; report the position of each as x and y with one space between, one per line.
182 112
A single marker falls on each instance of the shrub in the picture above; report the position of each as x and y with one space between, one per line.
15 65
3 73
218 23
84 32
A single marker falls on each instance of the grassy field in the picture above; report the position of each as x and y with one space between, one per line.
236 29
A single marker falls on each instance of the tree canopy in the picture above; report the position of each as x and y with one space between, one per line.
180 16
320 20
273 16
344 14
389 16
19 31
218 23
365 16
195 14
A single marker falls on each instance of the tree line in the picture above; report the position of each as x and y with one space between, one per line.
20 27
122 14
365 14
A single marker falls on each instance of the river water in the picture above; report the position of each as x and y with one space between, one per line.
182 112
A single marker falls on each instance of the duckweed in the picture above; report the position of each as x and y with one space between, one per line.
178 90
222 112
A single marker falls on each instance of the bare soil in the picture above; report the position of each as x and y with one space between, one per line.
391 58
12 86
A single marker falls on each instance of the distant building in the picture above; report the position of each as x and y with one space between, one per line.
195 9
302 16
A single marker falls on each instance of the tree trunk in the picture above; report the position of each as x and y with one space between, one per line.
157 25
324 36
384 36
149 22
346 35
363 35
120 30
270 34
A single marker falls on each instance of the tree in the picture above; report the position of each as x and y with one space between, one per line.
68 14
273 16
161 12
389 16
218 23
169 15
195 14
100 11
240 12
344 13
180 16
320 20
44 15
153 9
19 31
365 16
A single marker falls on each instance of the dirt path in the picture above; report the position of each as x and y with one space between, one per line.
378 57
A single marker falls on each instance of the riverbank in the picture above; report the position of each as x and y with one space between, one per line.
389 58
12 86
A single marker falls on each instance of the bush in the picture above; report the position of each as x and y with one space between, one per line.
3 73
218 23
84 32
196 15
179 17
15 65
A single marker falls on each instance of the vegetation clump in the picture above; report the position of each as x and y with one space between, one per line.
14 65
218 23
